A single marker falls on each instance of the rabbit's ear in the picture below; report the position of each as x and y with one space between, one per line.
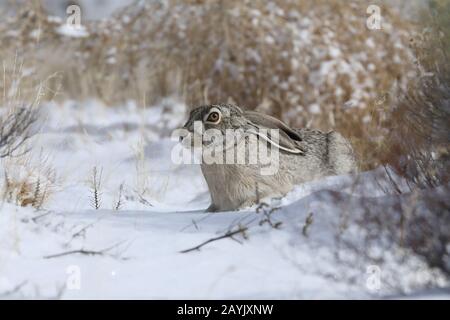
270 122
289 140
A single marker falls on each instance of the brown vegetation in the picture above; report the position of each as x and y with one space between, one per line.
311 63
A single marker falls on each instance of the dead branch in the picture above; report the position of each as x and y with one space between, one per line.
228 234
266 210
308 221
83 230
13 290
144 201
81 251
84 251
34 219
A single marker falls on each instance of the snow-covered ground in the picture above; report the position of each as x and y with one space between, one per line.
70 250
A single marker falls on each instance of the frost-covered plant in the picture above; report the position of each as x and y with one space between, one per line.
96 186
420 131
311 63
418 149
27 182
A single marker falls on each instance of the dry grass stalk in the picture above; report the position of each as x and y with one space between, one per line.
96 184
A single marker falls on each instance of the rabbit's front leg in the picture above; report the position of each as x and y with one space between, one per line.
247 203
212 208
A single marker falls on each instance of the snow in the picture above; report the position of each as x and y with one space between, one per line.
162 214
72 30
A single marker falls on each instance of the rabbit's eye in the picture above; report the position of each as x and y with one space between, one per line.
213 117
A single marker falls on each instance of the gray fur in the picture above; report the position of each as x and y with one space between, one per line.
234 186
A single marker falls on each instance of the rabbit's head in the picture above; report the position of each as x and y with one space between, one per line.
223 117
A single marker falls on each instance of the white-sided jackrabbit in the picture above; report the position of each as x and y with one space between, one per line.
303 155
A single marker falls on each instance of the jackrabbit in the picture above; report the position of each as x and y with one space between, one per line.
302 155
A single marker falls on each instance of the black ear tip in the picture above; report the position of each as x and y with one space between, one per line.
294 136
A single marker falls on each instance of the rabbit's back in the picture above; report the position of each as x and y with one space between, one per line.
331 149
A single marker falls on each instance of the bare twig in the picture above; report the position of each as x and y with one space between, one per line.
267 211
82 230
83 251
13 290
41 216
308 221
144 201
228 234
15 130
60 292
95 186
118 204
195 224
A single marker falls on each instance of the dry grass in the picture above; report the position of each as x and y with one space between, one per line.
311 63
27 182
420 132
96 185
27 179
418 149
